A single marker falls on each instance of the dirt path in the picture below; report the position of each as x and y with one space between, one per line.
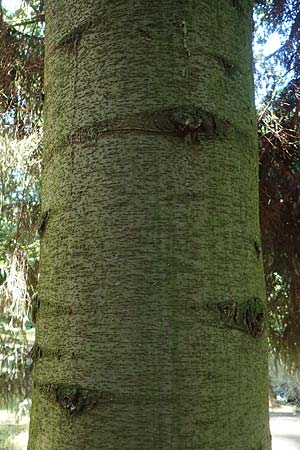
285 428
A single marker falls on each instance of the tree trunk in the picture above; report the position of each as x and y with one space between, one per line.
151 320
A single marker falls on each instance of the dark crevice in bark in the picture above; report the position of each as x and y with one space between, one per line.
230 68
242 5
212 375
35 308
257 247
38 353
43 223
146 35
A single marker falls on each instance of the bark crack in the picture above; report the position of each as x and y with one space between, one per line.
43 223
186 49
75 35
185 40
76 43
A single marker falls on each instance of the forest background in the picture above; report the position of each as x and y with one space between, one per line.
277 79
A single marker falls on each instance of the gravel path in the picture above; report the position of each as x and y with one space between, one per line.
285 428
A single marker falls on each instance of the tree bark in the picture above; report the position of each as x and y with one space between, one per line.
151 316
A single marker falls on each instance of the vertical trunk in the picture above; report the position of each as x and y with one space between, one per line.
151 321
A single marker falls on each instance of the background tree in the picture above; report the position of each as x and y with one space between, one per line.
278 121
21 78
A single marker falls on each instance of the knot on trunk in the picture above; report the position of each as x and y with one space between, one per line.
72 399
194 123
248 316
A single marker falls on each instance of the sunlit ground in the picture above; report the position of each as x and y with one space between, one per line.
13 435
285 427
